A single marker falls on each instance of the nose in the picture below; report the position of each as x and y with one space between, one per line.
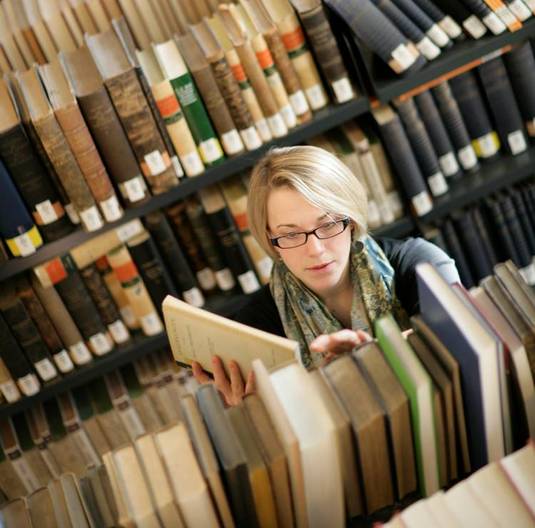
314 245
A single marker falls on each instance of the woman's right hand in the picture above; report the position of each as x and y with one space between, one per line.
233 389
331 345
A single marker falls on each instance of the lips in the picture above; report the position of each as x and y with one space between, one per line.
319 267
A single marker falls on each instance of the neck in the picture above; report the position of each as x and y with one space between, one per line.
340 300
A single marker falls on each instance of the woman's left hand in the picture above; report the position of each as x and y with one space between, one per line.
330 345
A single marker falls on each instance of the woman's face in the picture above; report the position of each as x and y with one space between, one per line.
322 265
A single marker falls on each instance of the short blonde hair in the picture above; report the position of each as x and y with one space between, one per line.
324 180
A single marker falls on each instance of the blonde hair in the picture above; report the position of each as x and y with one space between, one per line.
319 176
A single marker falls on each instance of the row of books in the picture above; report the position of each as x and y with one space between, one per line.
438 134
499 494
499 228
406 34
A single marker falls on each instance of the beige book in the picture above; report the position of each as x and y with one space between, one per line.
101 490
10 482
417 515
81 10
441 514
123 516
99 15
76 508
67 454
150 21
196 334
134 488
16 513
23 24
113 10
96 435
157 481
163 23
59 504
9 45
169 16
135 22
47 45
72 22
147 412
42 509
38 465
57 27
5 67
189 487
207 458
16 30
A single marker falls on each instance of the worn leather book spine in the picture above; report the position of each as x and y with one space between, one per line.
3 253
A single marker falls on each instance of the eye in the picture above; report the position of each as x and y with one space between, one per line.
328 225
291 236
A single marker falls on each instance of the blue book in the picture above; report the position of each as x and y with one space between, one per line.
476 349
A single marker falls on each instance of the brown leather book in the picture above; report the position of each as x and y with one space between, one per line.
58 150
131 105
104 125
35 19
80 141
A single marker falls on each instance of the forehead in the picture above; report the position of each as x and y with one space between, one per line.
287 206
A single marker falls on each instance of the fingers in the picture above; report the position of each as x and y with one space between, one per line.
220 378
199 373
339 342
250 385
236 381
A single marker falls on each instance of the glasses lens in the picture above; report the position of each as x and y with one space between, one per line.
331 229
292 241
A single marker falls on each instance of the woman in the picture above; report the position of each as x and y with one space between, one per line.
330 279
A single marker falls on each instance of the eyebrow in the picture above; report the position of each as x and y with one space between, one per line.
322 217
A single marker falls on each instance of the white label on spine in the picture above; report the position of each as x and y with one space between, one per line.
128 315
100 344
374 216
264 266
176 166
487 145
24 244
263 129
194 297
63 361
232 142
448 164
224 279
151 324
211 150
80 353
289 116
29 384
428 48
494 23
528 273
316 97
129 230
422 203
72 214
467 157
387 215
437 184
135 189
277 125
111 209
505 14
206 279
192 163
474 26
10 391
517 142
91 219
155 162
450 27
343 90
520 10
251 138
46 369
438 36
530 4
119 332
299 102
46 212
248 282
403 56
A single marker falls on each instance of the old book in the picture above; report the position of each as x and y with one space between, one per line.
12 17
189 488
175 70
394 401
56 24
16 225
63 275
99 483
163 367
461 14
129 10
125 90
83 15
58 501
39 28
16 513
76 508
209 333
441 17
41 508
98 13
9 45
74 128
123 516
456 250
28 172
8 386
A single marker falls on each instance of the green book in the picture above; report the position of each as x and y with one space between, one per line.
417 384
174 68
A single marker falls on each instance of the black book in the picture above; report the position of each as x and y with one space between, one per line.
472 245
422 147
475 116
174 258
456 252
520 64
438 134
148 261
487 16
454 123
3 253
485 236
503 105
463 17
434 235
529 204
230 455
403 159
440 16
526 221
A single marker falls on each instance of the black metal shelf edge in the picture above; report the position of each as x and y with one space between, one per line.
322 121
492 176
461 54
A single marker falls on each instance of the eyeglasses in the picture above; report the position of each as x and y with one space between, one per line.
328 230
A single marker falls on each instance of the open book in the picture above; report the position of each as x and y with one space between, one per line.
197 335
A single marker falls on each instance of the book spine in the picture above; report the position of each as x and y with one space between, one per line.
113 146
525 219
485 237
151 268
127 97
504 14
34 185
456 251
463 16
3 253
441 17
8 385
105 305
41 440
16 226
175 259
136 292
186 236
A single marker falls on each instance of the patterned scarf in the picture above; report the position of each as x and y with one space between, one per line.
304 315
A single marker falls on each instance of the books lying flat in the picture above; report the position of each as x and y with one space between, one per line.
196 335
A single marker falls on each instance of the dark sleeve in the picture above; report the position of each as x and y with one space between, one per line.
404 255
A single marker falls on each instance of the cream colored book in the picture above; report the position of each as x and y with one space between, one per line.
76 508
44 39
441 514
198 335
123 516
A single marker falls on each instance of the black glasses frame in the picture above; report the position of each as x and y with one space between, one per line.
344 221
